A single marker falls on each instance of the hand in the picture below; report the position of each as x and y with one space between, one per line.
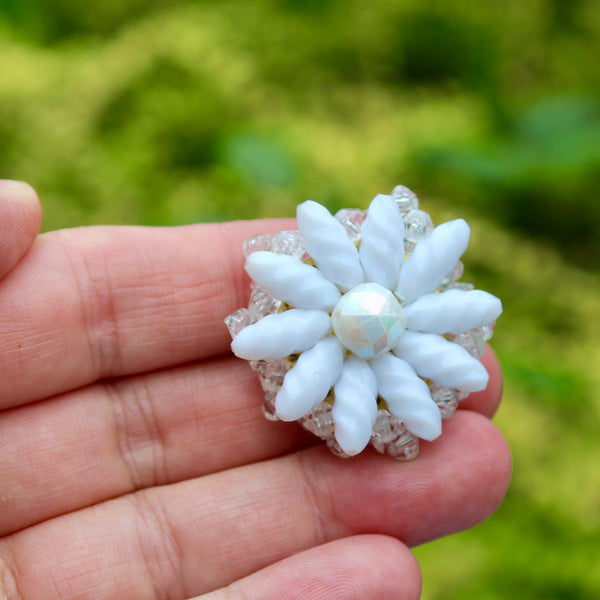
136 463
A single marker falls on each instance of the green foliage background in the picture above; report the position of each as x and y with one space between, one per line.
168 112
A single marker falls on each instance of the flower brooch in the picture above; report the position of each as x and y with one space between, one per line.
358 327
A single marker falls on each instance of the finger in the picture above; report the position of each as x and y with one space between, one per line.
107 301
114 437
487 401
199 535
118 436
368 567
20 219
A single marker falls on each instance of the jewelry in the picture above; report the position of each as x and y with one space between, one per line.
358 327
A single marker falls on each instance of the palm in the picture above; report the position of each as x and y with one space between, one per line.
135 460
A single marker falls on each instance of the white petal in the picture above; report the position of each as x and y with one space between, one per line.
432 259
309 381
292 281
355 407
407 396
282 334
327 242
445 363
382 242
453 311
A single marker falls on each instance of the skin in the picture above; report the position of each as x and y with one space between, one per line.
136 462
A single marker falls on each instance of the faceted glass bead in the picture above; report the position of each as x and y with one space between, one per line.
488 330
271 373
269 406
386 429
336 449
406 447
236 321
288 242
319 421
352 219
262 304
256 243
405 198
445 398
460 285
368 320
417 226
472 341
391 437
455 274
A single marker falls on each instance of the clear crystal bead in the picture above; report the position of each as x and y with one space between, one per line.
472 341
389 436
446 399
386 429
405 198
319 421
460 285
236 321
352 219
455 274
336 448
271 373
288 242
406 447
488 330
269 406
262 304
256 243
417 226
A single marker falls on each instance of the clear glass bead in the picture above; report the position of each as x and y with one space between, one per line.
236 321
405 447
268 407
288 242
417 226
460 285
389 436
386 429
336 448
472 341
446 399
262 304
455 274
271 373
405 198
487 331
256 243
319 421
352 219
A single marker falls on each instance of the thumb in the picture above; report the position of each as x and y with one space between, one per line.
20 220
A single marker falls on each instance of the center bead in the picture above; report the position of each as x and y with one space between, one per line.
368 320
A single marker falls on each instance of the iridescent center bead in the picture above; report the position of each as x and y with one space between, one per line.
368 320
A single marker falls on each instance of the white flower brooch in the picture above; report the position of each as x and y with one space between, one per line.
358 328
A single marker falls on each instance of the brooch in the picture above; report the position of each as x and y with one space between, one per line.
358 327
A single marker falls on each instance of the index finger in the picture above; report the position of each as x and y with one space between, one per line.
90 303
20 215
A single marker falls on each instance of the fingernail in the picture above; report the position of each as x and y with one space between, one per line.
8 586
8 184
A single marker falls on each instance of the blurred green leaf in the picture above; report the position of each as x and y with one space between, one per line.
259 159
